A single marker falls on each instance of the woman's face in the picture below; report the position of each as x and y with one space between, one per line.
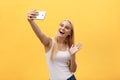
64 29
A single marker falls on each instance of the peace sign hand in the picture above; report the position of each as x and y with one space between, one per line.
75 48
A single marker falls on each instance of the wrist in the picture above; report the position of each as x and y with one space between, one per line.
73 56
30 20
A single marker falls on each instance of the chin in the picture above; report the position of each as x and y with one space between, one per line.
61 36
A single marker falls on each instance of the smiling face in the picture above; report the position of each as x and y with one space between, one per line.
64 29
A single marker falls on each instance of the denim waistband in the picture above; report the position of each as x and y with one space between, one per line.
72 78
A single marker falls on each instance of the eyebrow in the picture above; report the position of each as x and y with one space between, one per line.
65 26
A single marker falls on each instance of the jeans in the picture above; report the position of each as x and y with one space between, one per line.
72 78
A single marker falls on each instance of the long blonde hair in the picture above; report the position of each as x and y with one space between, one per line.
69 41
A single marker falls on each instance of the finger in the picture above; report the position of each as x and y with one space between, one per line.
79 45
33 12
31 17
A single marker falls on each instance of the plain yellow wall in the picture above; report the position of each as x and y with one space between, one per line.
96 25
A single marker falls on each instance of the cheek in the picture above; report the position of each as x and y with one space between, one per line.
68 32
59 28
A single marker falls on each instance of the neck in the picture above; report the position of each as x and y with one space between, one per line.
61 40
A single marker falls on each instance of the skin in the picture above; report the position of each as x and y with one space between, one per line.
65 28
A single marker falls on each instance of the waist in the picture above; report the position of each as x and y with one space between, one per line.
72 78
60 75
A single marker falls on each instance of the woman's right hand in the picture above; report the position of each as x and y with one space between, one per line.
32 15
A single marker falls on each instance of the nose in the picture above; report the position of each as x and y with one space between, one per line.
63 27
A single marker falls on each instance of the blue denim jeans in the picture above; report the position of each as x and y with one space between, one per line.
72 78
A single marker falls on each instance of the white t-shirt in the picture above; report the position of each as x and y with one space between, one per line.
58 67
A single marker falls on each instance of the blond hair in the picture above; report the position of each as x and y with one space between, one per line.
69 41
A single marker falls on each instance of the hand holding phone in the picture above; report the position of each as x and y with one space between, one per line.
41 15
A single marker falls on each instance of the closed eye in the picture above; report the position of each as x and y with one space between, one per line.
67 27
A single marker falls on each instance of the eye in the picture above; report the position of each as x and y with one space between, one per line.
67 27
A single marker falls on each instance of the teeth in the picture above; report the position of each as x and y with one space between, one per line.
62 32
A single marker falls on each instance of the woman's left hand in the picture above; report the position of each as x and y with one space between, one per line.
75 48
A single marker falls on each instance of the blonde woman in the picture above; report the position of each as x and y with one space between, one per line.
60 50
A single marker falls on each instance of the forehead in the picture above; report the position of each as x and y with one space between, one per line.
66 23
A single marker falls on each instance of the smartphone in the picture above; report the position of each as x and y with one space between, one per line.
41 15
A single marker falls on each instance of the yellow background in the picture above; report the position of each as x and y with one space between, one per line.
96 24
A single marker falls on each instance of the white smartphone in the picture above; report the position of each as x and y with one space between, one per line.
41 15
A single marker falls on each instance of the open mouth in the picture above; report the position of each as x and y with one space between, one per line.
62 32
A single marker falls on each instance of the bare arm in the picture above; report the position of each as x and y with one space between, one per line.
73 50
73 65
42 37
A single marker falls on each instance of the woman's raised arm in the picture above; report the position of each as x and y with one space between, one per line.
42 37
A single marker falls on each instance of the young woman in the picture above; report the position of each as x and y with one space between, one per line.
60 50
